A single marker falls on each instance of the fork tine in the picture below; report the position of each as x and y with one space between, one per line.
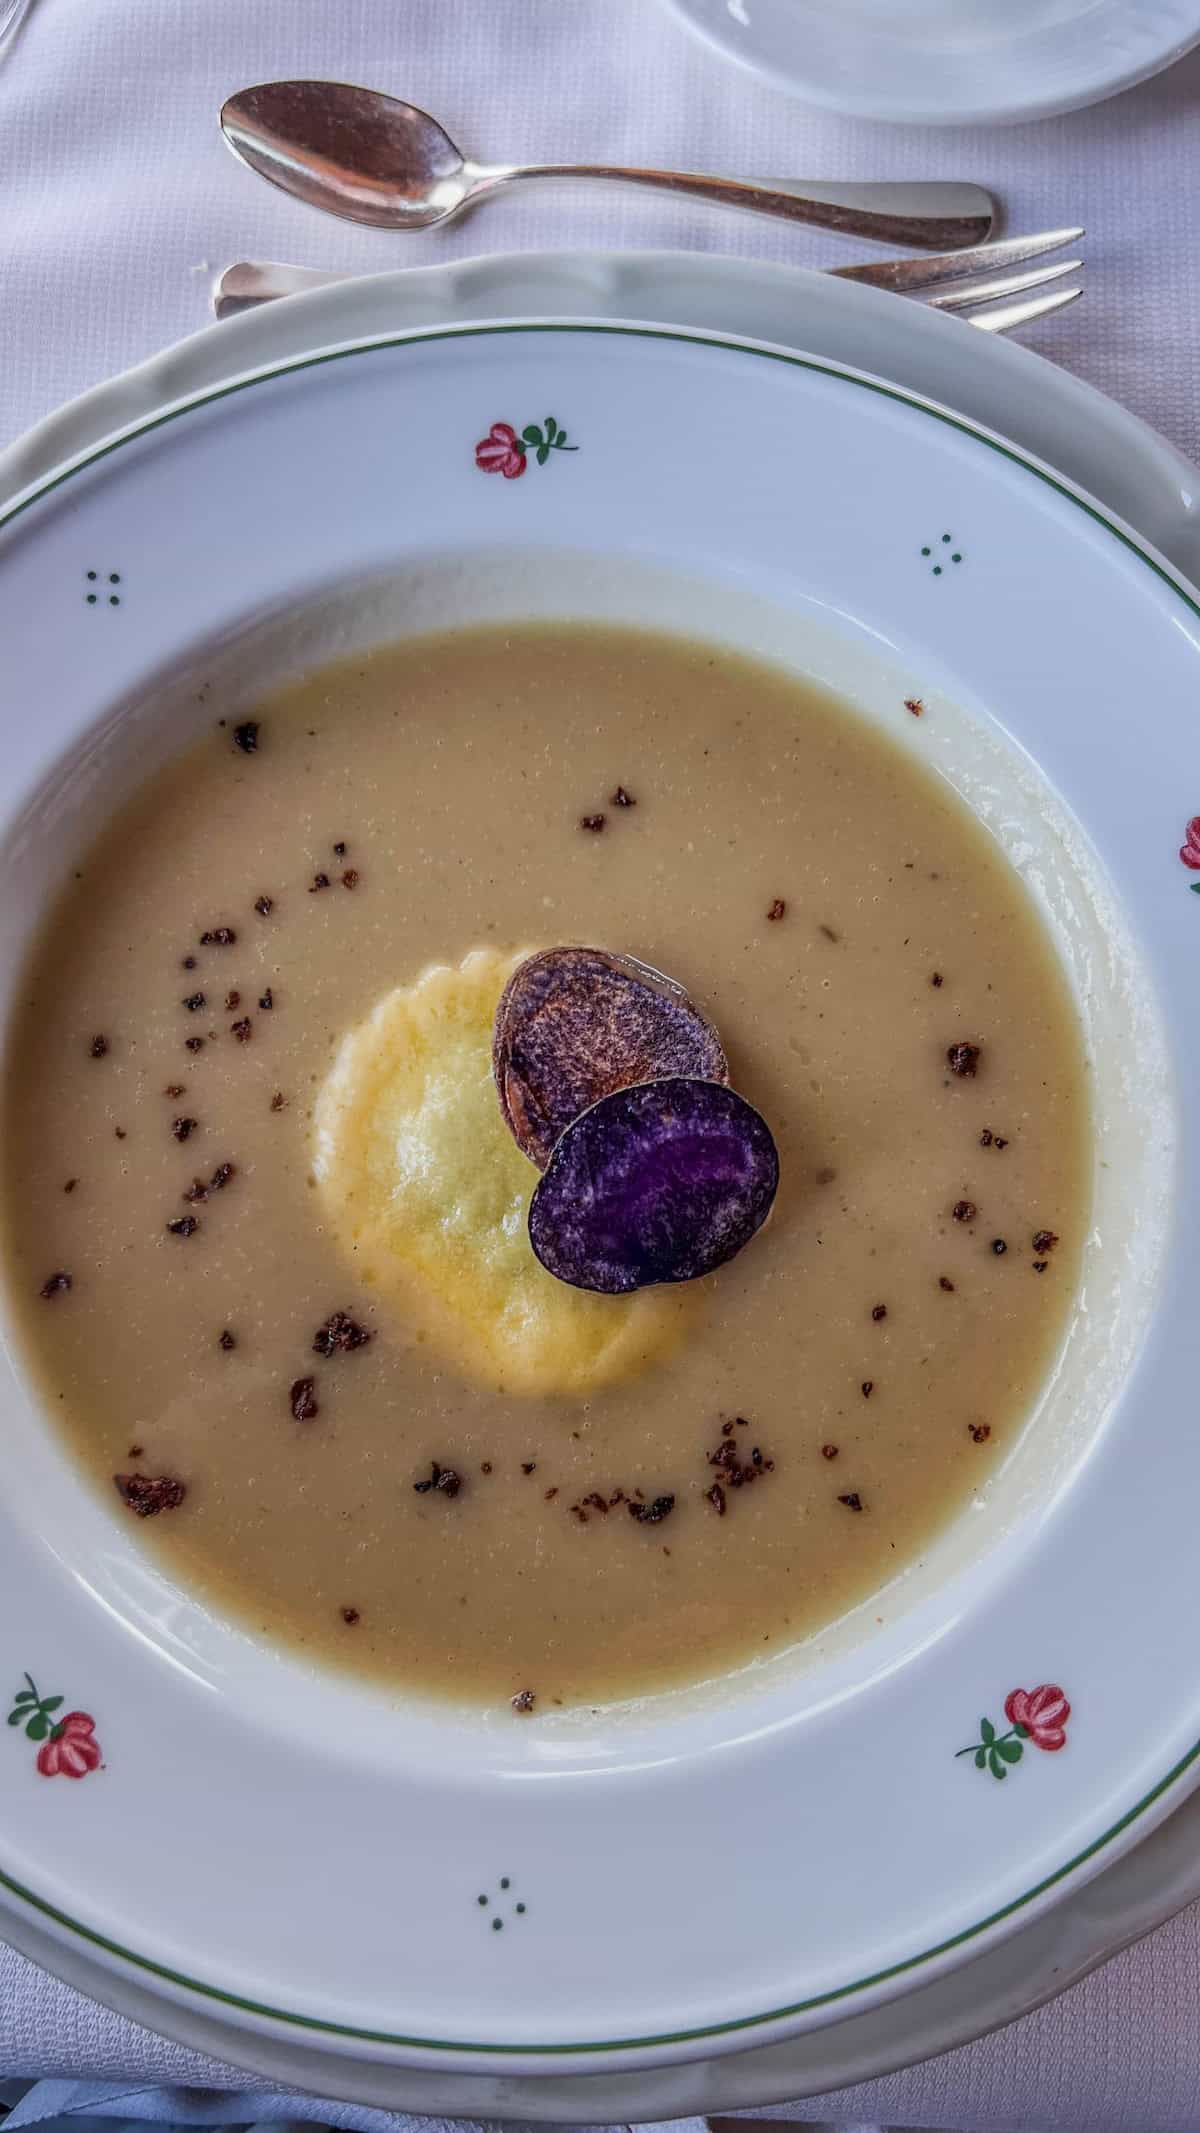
1003 318
908 276
963 295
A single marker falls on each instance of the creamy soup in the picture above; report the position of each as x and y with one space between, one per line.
265 1219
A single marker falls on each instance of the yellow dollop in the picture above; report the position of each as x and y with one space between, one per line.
427 1190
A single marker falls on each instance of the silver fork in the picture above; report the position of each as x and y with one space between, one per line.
979 284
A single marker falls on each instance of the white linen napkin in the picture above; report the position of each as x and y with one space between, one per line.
117 202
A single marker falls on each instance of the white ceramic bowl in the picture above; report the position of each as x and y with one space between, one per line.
336 1841
949 62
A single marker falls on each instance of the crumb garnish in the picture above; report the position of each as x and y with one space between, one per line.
621 798
964 1210
944 1282
319 881
652 1514
302 1399
936 979
828 933
136 1451
120 1133
999 1247
350 1615
592 822
227 1340
734 1472
963 1059
350 878
340 1335
979 1432
339 849
776 910
523 1702
70 1184
194 1002
1044 1240
232 999
443 1479
184 1225
148 1494
716 1497
266 1001
853 1501
278 1101
98 1047
985 1138
1040 1265
182 1127
222 1175
194 1044
878 1312
914 704
829 1451
174 1089
218 937
264 905
529 1466
485 1466
197 1190
241 1030
188 962
55 1285
867 1388
246 736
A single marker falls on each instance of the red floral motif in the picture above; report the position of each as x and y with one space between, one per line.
501 452
1036 1717
67 1746
72 1749
1189 850
1042 1714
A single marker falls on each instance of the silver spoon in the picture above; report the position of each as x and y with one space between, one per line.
370 158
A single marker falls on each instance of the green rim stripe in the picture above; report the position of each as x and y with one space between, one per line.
1185 1763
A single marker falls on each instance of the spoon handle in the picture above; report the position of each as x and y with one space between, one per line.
843 209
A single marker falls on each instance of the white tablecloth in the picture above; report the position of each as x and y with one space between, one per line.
117 201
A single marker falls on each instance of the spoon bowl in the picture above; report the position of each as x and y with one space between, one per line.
353 152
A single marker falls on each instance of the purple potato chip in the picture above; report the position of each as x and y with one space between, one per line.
574 1024
660 1182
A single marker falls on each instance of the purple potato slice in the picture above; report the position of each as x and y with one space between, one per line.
664 1181
574 1024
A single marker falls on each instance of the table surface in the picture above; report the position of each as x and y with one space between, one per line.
119 203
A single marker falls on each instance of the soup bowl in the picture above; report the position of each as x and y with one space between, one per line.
696 1870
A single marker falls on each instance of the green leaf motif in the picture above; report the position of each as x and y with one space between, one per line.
995 1764
1011 1750
543 454
16 1718
980 1758
51 1703
38 1728
532 434
1022 1732
987 1732
1194 886
551 429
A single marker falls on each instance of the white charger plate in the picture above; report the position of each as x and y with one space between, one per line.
791 2078
948 62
